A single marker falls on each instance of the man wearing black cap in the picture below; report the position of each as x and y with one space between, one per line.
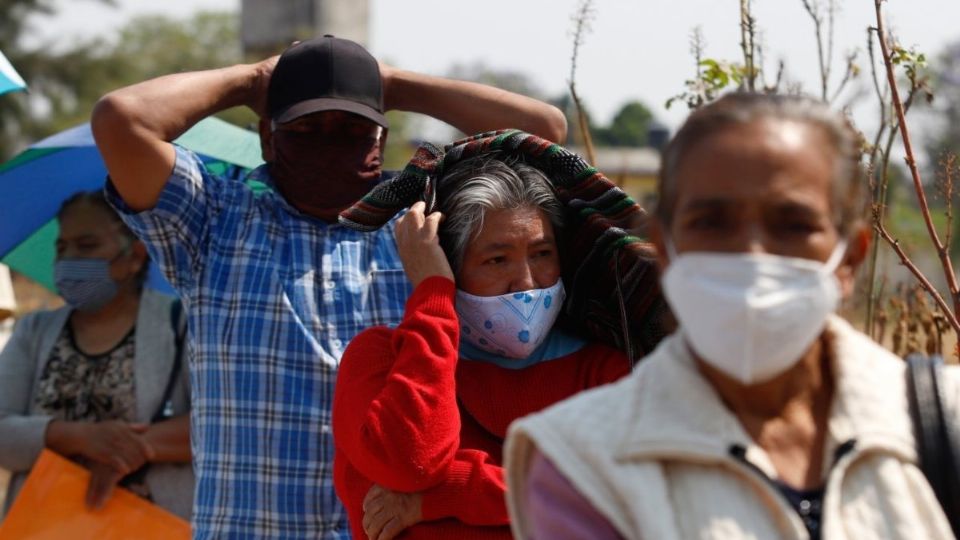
274 288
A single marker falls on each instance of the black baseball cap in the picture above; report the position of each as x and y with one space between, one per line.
325 74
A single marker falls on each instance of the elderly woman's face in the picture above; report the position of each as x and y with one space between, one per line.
87 231
515 251
760 187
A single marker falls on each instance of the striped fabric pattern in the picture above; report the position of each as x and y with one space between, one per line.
272 297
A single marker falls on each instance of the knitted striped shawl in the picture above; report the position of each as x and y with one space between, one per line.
609 267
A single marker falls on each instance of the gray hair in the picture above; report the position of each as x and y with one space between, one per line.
742 108
477 185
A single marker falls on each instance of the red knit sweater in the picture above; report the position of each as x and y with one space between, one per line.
411 417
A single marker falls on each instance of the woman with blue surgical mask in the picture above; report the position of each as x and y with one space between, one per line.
765 415
102 380
421 410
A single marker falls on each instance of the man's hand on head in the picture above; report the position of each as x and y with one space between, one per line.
260 85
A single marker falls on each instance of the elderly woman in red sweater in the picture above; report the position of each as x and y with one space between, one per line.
421 410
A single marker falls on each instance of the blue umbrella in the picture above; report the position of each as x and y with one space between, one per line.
10 80
40 178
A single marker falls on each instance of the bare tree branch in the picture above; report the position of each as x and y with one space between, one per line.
878 182
581 21
849 74
942 252
747 33
924 282
949 162
813 9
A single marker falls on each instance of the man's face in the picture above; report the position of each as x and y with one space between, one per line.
336 131
329 128
761 187
324 162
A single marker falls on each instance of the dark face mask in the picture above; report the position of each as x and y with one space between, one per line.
321 172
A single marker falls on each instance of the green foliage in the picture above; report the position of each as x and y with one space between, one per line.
713 77
628 128
64 86
911 60
400 142
914 64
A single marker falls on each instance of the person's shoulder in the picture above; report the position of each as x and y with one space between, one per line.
603 363
40 319
858 349
607 408
590 410
157 299
189 169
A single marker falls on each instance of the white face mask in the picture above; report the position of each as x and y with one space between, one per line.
511 325
749 315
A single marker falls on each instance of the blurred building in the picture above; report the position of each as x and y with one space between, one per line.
269 26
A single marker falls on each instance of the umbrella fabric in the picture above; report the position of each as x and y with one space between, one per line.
10 80
38 180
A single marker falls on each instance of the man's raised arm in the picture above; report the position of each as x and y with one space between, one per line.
133 126
470 107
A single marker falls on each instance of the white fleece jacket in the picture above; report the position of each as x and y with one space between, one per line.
654 454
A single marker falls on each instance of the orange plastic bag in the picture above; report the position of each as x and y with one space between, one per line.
50 507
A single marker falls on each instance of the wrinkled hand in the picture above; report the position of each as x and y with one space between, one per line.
116 444
262 71
387 513
103 478
419 245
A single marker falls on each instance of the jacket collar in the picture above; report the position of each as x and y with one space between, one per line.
677 413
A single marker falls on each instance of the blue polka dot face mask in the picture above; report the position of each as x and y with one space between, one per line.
511 325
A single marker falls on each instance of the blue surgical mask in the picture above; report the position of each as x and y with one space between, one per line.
85 284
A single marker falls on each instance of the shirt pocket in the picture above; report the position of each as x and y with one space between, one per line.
389 290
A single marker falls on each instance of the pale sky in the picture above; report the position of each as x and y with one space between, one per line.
637 49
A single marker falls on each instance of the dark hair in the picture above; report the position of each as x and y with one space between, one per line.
740 108
97 198
488 182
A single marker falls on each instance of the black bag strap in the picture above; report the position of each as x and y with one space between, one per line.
937 442
164 411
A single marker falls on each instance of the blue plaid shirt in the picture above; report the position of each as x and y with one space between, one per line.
273 297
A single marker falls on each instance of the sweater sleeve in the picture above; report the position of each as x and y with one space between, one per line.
21 434
473 491
395 413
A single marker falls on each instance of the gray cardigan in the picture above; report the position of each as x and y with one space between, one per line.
23 428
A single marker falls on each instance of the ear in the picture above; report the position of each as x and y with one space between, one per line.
266 140
139 251
657 234
858 246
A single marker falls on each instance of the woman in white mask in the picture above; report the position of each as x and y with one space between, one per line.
98 380
765 415
420 411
